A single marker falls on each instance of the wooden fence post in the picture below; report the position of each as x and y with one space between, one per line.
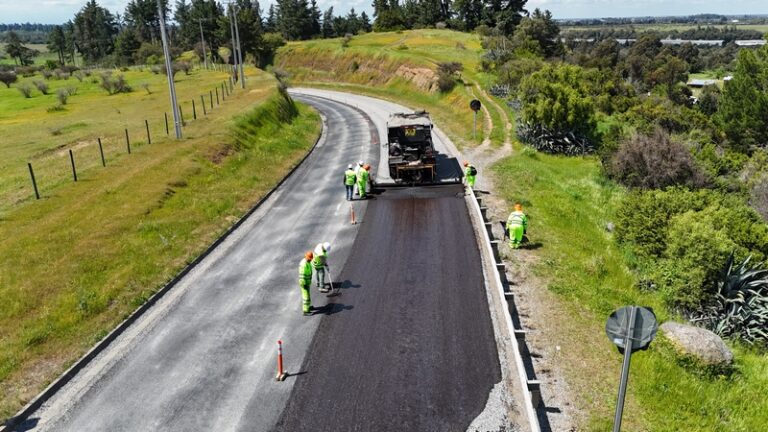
166 123
101 151
194 110
72 160
149 137
127 141
202 102
34 182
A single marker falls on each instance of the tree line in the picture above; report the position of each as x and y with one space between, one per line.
100 36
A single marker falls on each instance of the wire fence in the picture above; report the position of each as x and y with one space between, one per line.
63 164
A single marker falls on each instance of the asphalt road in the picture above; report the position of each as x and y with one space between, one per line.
407 346
204 357
412 346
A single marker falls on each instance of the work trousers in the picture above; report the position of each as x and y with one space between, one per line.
361 189
516 236
350 191
306 304
320 276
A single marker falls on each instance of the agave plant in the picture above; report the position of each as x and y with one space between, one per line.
554 141
740 307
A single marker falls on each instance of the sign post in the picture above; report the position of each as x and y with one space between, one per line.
630 328
475 107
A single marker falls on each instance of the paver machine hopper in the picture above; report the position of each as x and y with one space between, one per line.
411 152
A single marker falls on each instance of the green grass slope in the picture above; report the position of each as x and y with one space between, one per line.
399 66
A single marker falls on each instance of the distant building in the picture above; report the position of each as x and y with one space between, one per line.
698 83
751 43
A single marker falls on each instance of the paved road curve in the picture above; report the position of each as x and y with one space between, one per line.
204 357
416 351
407 346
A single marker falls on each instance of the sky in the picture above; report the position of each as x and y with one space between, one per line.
59 11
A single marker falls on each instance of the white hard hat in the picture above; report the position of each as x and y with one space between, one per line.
327 246
349 166
360 163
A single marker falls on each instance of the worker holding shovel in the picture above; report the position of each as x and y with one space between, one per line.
320 263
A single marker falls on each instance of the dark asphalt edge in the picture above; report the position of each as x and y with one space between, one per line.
100 346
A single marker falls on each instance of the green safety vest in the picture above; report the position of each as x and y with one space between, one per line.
468 171
305 271
349 177
362 176
320 257
517 218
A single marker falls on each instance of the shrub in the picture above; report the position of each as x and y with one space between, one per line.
47 74
759 197
186 67
654 162
553 141
145 86
446 75
346 40
684 236
174 69
114 85
41 86
25 90
55 108
8 78
695 252
61 74
739 309
62 95
26 71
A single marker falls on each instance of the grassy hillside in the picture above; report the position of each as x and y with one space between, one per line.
33 133
399 66
584 271
75 263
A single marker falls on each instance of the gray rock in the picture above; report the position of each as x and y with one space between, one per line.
610 227
699 343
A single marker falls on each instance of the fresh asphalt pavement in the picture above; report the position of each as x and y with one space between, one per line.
408 345
204 357
416 352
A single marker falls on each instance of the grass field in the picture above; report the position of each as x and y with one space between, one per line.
33 134
371 64
570 202
77 262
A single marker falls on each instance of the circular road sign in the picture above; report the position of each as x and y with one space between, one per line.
641 333
475 105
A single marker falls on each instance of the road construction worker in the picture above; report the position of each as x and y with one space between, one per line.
362 180
320 263
470 174
350 178
358 167
305 280
517 225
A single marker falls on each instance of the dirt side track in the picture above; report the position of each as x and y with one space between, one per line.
409 344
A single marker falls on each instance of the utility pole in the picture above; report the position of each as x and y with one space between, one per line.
232 37
239 51
169 71
202 41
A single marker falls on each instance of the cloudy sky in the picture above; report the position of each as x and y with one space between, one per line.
58 11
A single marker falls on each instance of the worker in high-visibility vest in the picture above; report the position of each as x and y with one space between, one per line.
320 263
350 177
305 280
362 180
470 174
517 226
